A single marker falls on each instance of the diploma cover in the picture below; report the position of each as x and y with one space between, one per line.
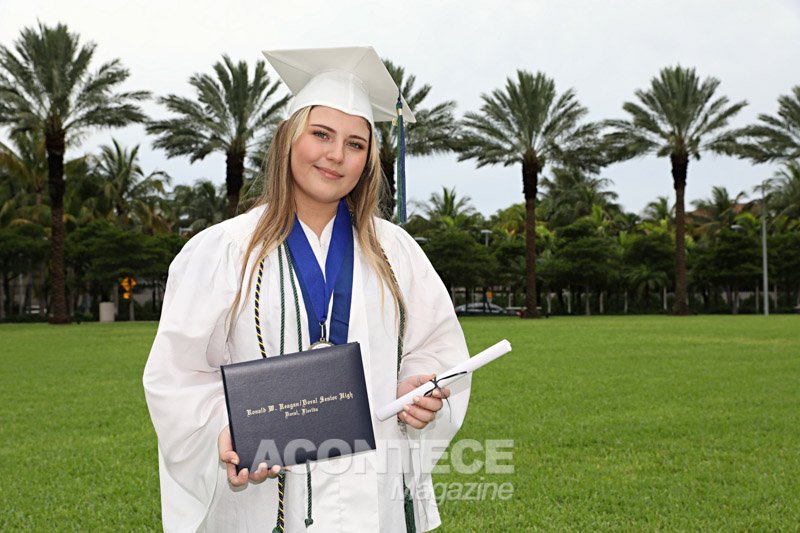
299 407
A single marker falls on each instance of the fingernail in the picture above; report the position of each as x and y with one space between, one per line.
417 399
235 461
405 408
262 466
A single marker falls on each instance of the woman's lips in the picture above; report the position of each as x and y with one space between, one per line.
328 173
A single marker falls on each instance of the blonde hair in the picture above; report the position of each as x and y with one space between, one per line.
277 220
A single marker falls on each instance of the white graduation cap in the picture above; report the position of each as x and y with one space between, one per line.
352 79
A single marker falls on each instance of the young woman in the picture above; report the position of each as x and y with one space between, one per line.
323 174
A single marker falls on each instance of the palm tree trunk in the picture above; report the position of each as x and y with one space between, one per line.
234 178
71 303
387 200
758 295
587 303
530 183
28 294
115 299
569 300
42 292
775 294
56 187
2 296
680 164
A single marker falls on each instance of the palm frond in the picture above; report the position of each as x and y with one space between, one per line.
677 114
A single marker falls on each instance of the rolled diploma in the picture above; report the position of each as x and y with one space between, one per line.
473 363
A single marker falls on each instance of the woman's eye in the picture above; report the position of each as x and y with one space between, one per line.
357 145
321 134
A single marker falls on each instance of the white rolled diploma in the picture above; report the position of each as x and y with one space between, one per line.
473 363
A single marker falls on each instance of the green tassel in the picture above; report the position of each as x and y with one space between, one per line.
309 521
276 530
411 525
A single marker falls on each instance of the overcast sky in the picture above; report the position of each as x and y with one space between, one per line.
604 49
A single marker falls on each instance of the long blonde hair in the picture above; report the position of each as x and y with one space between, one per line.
277 220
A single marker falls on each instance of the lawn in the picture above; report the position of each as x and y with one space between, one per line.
641 423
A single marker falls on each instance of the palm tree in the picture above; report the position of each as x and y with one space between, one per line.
529 123
644 279
717 212
785 197
196 207
510 221
232 114
432 133
449 210
571 194
677 117
46 87
127 191
23 169
773 138
659 210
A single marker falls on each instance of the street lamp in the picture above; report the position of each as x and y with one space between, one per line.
765 273
486 233
487 295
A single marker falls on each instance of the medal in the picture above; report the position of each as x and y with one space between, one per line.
320 344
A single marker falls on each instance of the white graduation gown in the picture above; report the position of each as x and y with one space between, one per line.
184 392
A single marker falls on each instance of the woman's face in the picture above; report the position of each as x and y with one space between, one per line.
329 156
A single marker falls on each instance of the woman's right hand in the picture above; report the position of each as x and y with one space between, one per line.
231 459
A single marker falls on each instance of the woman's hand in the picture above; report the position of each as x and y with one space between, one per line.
228 456
423 410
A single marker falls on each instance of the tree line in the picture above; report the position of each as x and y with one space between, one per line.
74 223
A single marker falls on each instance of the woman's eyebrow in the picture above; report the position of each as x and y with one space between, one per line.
328 128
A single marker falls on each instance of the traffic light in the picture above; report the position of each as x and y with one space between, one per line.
128 284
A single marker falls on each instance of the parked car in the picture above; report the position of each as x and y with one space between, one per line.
480 308
519 311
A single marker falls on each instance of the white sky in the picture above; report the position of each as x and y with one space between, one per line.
604 49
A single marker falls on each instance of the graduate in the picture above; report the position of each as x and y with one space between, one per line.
235 293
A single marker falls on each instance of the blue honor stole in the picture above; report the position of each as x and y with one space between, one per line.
337 282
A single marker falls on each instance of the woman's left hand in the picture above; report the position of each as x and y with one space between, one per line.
423 410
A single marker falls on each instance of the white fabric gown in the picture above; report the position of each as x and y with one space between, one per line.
184 392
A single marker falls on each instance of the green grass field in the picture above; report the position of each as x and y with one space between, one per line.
641 423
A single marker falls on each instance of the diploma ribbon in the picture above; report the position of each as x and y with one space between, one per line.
436 386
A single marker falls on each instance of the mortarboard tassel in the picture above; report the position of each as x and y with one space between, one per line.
401 163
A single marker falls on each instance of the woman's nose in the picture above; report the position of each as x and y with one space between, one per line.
336 152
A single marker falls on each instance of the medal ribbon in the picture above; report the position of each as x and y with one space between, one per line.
337 282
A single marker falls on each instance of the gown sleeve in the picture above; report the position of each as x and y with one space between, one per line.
433 342
182 380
